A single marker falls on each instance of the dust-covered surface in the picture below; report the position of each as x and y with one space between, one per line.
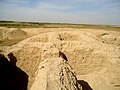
93 54
55 74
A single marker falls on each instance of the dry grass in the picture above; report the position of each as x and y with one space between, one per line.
56 25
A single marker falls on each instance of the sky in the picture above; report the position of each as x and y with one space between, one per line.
62 11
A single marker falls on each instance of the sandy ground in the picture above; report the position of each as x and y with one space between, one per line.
93 54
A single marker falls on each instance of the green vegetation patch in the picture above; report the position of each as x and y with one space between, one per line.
12 24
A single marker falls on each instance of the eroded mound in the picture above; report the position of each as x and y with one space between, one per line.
11 36
86 52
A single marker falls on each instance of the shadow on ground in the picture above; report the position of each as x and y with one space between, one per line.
84 84
11 77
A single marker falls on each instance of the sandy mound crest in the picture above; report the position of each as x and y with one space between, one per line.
55 74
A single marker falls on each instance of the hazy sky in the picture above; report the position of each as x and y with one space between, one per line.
62 11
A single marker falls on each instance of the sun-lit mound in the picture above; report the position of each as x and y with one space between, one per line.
92 56
11 36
